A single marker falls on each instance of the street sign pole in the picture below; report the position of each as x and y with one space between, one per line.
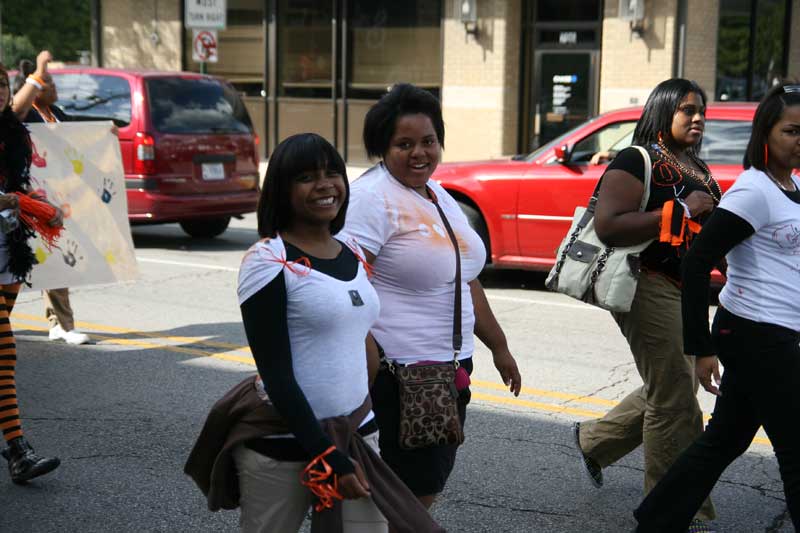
203 68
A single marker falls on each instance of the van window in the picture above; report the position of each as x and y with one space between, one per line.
94 96
195 105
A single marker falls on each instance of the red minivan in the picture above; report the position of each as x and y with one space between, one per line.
188 147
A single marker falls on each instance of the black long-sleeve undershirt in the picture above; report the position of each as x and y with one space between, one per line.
721 232
266 325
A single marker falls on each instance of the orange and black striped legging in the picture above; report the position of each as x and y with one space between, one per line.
9 408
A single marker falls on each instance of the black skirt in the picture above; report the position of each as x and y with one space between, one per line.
425 470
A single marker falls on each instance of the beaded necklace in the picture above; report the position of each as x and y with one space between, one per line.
706 179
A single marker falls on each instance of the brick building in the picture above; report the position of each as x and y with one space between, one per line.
521 74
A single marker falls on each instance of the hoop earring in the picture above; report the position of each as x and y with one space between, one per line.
660 137
766 155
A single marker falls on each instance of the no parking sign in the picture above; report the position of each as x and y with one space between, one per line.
204 46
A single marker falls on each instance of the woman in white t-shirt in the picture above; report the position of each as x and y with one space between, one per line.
394 217
307 306
756 329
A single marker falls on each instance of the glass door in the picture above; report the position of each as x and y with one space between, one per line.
565 92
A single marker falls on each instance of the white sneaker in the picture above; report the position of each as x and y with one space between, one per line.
70 337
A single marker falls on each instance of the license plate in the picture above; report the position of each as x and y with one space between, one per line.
213 171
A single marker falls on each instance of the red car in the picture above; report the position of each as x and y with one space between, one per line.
188 147
523 208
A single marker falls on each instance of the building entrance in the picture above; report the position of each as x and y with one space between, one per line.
561 62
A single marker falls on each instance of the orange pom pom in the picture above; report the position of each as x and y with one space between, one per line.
37 215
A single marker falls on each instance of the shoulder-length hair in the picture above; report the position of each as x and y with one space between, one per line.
768 113
26 68
295 155
403 99
660 109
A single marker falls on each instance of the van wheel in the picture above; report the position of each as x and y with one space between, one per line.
479 225
205 228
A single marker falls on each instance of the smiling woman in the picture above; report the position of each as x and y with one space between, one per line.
427 259
307 306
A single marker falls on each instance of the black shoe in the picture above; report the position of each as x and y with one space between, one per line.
593 470
24 464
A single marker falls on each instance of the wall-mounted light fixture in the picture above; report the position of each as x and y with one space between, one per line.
469 16
633 12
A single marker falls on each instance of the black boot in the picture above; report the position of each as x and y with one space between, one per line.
24 464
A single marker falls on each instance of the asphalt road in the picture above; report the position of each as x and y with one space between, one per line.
123 413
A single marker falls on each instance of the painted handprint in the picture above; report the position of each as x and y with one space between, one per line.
70 253
38 160
108 191
76 158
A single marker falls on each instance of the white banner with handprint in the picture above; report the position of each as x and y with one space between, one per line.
79 167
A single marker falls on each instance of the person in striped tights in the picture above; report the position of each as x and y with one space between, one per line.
16 262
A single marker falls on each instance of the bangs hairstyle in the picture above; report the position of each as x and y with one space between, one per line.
295 155
768 113
660 108
403 99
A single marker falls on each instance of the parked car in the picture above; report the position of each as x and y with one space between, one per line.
188 147
523 208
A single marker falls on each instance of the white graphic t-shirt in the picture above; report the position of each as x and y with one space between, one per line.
764 271
414 272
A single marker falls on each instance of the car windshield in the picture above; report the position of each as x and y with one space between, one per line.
724 142
196 105
94 96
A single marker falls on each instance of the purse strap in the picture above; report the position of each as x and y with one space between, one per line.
647 179
588 215
457 338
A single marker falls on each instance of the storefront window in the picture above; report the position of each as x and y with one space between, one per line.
305 58
751 51
392 41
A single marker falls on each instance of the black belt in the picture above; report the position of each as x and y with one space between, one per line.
289 449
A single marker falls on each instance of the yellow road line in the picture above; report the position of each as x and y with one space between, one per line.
233 356
152 335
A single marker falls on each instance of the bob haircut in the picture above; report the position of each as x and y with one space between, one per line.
295 155
768 113
660 108
403 99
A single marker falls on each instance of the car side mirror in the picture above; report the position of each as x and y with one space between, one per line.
562 153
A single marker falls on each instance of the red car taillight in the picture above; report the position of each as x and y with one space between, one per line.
145 159
256 143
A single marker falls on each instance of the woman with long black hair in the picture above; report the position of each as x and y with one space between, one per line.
16 262
663 414
756 329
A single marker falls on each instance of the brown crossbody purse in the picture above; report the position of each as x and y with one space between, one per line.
428 394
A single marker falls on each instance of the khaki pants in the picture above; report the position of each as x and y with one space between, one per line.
58 310
273 500
663 414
